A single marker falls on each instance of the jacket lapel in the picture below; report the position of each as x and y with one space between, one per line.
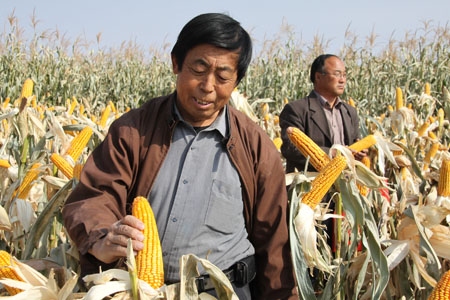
318 115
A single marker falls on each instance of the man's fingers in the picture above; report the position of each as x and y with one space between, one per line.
122 241
128 232
133 222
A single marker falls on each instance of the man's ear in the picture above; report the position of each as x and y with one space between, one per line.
175 65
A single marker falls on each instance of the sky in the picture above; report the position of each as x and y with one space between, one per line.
156 24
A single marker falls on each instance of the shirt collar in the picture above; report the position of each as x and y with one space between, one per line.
325 103
220 123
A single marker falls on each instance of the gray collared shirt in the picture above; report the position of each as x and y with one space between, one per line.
197 199
334 119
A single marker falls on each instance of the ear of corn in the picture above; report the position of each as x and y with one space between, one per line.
423 128
26 184
79 142
4 164
27 88
442 289
444 179
113 107
7 272
73 104
322 183
363 190
62 165
105 116
149 260
364 143
278 142
398 98
351 102
5 104
77 171
427 89
390 108
430 154
318 158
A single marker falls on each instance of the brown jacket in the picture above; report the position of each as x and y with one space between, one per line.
307 115
126 163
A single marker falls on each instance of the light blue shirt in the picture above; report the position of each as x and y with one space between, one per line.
197 199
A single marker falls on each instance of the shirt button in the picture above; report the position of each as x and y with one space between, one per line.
164 253
185 181
174 219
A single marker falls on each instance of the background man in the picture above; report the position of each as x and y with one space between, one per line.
213 178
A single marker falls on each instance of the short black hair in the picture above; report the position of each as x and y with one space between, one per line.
218 30
317 65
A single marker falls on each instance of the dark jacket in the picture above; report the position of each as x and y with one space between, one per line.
307 114
127 162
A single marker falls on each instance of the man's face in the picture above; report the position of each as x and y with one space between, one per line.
331 83
205 83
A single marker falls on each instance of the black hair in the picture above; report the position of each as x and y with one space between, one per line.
218 30
317 65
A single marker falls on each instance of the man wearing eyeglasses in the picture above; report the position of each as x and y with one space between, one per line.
322 115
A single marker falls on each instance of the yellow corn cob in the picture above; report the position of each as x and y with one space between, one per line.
381 118
431 118
149 260
93 118
51 108
4 163
398 98
105 116
442 289
276 120
390 108
444 179
423 128
127 109
81 109
404 173
265 108
286 101
278 142
72 106
351 102
5 124
441 117
430 154
26 184
318 158
6 271
363 190
79 142
77 171
432 135
427 89
27 88
322 183
5 104
62 165
410 105
365 143
33 102
113 107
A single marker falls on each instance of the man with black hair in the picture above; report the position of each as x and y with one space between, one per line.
322 116
212 176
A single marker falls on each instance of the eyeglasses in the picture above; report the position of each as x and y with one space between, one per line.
337 74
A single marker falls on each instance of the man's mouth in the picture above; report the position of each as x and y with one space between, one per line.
201 102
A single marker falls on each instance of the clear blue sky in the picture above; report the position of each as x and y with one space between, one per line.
155 23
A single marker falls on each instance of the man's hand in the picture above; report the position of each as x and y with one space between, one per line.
361 154
114 245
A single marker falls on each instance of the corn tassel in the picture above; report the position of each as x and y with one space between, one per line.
423 128
322 183
427 89
365 143
149 260
363 190
278 142
398 98
442 289
62 165
26 184
444 179
79 142
318 158
27 88
105 116
6 271
4 163
430 154
77 171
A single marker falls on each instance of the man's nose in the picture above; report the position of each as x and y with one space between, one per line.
208 82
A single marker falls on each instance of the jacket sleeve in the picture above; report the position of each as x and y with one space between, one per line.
100 198
270 235
289 117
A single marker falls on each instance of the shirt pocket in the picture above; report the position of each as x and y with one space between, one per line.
225 208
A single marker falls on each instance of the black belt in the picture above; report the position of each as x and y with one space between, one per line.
241 273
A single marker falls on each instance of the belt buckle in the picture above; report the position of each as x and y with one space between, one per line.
241 275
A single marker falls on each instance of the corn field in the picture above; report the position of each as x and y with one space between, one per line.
58 98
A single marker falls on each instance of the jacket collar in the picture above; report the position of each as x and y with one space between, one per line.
318 115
